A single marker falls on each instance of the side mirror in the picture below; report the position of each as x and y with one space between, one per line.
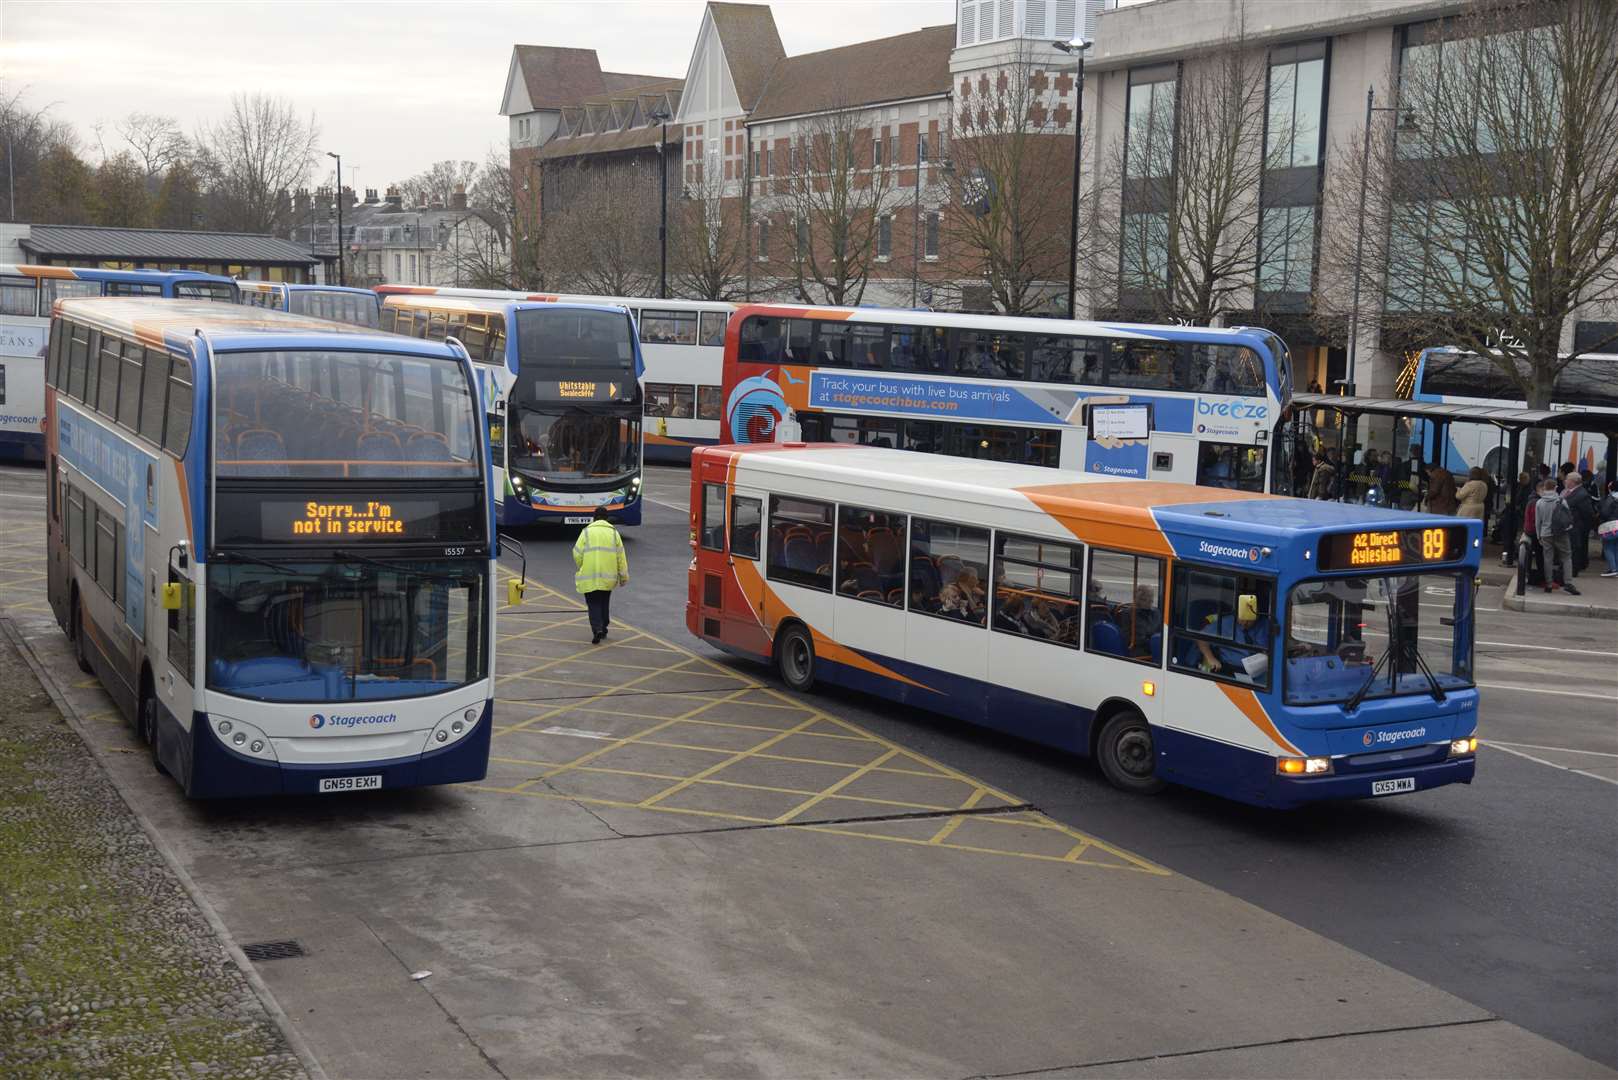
173 596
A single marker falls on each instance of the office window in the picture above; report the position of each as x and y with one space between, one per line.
1287 243
876 149
884 237
870 555
949 566
764 239
1293 119
1036 589
921 148
1123 606
746 514
1145 251
893 150
803 237
800 546
930 236
398 267
1149 125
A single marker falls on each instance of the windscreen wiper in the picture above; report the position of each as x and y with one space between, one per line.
1365 687
1432 680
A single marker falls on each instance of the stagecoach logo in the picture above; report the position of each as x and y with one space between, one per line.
317 722
1228 551
1371 738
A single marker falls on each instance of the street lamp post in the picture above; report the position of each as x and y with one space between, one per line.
661 115
1076 48
342 270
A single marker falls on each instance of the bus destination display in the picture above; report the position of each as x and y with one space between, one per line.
329 518
1375 548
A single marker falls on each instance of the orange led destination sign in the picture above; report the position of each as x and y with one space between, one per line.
581 390
1372 548
348 519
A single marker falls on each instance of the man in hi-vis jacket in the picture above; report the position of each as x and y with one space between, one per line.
599 555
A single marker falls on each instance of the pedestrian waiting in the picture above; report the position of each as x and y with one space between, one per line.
1608 529
598 554
1554 522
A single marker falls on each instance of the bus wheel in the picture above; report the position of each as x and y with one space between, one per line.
1126 755
80 655
795 657
148 729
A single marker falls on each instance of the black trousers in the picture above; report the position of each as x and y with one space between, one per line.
600 604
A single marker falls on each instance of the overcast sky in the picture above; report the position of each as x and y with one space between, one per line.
393 86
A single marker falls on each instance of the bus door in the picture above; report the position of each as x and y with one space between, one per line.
729 529
177 600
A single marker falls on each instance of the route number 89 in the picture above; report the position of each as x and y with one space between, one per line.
1433 543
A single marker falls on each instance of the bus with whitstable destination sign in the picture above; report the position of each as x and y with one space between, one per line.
1188 404
271 539
1271 650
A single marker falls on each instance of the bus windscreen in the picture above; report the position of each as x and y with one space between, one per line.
574 340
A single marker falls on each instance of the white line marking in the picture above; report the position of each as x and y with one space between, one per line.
1552 764
1542 690
578 733
1548 648
1557 749
671 506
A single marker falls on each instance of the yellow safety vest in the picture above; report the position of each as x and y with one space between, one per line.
599 555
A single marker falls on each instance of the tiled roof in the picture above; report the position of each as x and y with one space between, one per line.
161 245
909 65
618 81
607 142
556 76
752 46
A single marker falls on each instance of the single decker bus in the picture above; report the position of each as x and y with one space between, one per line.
26 296
683 344
270 537
1271 650
560 386
1182 403
339 303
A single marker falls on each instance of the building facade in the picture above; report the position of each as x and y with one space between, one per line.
385 242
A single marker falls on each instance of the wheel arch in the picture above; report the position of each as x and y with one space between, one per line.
1108 709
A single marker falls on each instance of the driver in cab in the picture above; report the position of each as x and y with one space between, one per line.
1245 629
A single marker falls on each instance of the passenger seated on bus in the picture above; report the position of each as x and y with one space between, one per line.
1010 613
1041 621
963 597
1249 632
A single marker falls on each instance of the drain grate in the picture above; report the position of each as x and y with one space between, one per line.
260 951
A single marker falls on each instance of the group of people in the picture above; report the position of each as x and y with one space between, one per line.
1559 515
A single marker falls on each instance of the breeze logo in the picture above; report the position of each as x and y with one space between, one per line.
1226 551
1371 738
1233 410
317 721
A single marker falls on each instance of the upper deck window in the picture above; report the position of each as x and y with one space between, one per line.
572 339
315 413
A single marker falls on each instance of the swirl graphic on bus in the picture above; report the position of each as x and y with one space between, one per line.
754 410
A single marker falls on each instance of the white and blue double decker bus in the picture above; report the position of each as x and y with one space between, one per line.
26 296
338 303
1458 376
1190 404
561 386
270 537
1271 650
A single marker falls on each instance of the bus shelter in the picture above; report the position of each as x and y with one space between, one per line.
1347 412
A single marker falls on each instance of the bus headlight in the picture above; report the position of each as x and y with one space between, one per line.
1304 766
243 738
1463 747
452 728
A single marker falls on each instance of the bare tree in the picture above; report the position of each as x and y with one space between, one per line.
1188 178
600 227
1009 185
708 241
835 201
259 153
30 137
121 192
156 142
439 183
1492 196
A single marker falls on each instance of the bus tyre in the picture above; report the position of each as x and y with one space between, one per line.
1126 755
795 658
80 655
148 729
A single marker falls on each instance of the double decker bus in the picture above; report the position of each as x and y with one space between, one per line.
26 296
339 303
560 385
1190 404
1459 376
270 537
683 344
1271 650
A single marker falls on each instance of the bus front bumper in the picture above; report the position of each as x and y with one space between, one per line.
1286 792
218 772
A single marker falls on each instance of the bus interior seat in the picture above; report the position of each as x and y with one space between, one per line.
378 446
949 568
427 446
1154 645
1105 637
799 553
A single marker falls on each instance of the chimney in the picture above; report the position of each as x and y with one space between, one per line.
300 202
457 201
395 201
370 197
349 201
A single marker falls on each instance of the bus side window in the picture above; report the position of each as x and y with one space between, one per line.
949 565
1036 589
1222 624
761 339
713 328
745 518
800 542
20 296
1123 606
387 319
713 517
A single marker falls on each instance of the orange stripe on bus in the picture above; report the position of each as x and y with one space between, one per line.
1245 700
185 495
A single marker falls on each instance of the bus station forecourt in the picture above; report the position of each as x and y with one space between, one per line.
674 865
